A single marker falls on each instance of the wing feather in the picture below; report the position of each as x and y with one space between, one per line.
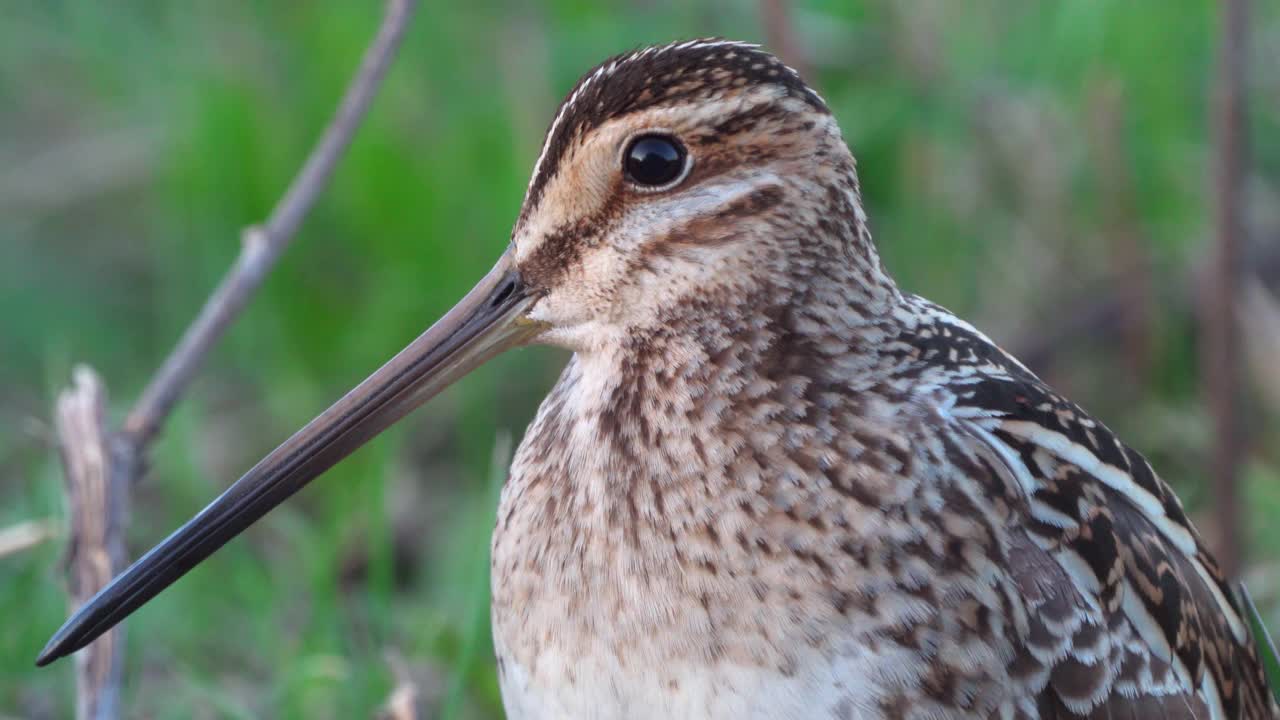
1128 613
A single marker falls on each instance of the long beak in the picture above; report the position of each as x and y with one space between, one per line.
487 321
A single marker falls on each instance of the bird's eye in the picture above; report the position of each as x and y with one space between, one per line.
653 160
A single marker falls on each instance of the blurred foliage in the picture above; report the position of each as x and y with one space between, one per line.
1019 160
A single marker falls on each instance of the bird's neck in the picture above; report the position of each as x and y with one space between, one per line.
783 327
676 401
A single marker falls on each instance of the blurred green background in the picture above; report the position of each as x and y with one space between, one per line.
1041 168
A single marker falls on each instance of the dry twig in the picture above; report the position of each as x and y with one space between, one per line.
26 535
101 465
1219 329
97 486
263 244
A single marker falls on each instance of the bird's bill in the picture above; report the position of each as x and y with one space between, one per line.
490 319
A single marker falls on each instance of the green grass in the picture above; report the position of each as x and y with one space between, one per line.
977 129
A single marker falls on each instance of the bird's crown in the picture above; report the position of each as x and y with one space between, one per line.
657 76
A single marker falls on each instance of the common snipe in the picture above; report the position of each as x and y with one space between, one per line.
770 483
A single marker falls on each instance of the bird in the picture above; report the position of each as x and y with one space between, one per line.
769 482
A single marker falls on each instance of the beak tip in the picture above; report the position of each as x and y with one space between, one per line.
47 655
59 646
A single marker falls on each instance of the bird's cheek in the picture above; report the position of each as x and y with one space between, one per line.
568 327
561 308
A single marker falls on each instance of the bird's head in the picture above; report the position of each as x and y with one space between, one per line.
681 175
671 178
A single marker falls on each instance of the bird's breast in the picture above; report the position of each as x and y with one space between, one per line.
659 566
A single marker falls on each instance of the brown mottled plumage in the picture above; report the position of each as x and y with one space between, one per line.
770 484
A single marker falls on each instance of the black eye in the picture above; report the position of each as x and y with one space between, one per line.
653 160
